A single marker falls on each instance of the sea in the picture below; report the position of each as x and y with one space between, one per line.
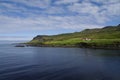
56 63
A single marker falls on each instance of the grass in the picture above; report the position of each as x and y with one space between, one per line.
77 40
34 42
104 37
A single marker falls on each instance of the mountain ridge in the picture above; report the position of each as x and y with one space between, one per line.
108 36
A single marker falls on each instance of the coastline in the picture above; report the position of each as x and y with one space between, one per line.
112 46
102 38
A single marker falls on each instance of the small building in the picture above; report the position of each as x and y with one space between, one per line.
86 39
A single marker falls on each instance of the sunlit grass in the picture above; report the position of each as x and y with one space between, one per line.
104 37
78 40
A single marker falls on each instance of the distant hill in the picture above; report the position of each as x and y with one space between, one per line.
105 35
109 32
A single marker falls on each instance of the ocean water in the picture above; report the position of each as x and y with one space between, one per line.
46 63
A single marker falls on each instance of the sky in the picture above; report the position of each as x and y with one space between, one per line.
24 19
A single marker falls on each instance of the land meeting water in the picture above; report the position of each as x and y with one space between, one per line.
45 63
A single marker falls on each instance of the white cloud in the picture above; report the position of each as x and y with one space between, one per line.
14 8
111 10
54 10
11 24
66 1
40 23
90 15
91 11
100 14
104 1
74 22
84 8
15 38
35 3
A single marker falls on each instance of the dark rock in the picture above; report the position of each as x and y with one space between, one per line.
82 44
20 45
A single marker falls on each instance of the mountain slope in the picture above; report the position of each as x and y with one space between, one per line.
107 36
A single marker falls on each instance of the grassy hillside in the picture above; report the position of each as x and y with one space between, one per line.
105 37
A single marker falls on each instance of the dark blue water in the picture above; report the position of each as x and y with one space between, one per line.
36 63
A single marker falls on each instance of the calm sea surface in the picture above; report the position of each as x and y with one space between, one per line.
39 63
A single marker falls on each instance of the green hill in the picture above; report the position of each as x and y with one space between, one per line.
96 38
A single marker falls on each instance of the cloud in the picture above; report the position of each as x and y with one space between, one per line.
17 25
101 14
18 38
54 10
23 24
29 16
84 8
35 3
65 1
111 10
104 1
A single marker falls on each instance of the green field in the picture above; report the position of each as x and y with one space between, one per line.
103 37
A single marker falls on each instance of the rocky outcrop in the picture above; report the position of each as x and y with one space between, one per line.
20 45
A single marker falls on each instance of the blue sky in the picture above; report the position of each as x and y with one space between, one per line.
24 19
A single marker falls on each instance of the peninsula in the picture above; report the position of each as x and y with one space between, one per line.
107 38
